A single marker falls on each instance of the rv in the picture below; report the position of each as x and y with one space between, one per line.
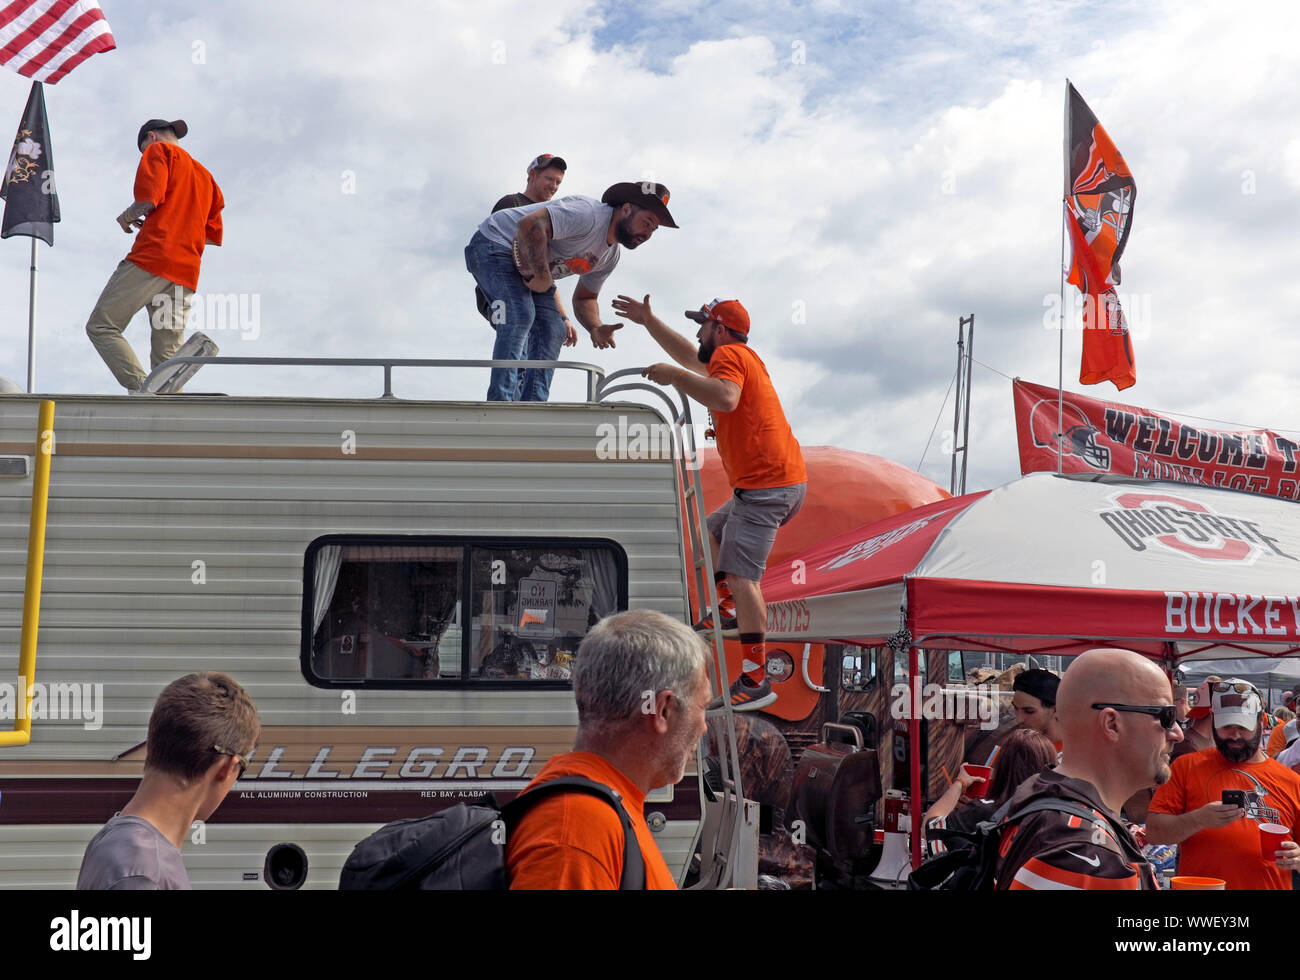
401 585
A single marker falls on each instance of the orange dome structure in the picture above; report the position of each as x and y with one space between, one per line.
846 489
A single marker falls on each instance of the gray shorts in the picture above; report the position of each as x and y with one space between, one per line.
745 527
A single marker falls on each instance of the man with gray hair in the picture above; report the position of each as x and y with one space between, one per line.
641 683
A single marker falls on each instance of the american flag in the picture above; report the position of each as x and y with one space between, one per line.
46 39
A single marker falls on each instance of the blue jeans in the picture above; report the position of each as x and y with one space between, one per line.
530 327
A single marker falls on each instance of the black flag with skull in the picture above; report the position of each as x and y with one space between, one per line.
31 203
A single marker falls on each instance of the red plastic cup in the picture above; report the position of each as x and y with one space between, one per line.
1271 836
978 788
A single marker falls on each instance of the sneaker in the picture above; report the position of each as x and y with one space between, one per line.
169 380
747 696
730 629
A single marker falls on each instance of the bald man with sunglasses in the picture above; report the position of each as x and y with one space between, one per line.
1119 725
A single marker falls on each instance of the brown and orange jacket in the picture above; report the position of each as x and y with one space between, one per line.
1054 850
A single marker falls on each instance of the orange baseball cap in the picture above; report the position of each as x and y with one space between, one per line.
728 312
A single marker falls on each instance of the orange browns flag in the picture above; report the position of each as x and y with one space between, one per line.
1099 196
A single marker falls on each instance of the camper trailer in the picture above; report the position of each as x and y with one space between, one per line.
401 585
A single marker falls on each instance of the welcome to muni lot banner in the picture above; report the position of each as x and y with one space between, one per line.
1125 440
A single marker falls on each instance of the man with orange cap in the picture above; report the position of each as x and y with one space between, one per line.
759 453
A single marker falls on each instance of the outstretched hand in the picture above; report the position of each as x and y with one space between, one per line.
603 335
626 306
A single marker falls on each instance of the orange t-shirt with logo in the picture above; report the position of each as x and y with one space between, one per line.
187 213
1232 852
757 448
574 840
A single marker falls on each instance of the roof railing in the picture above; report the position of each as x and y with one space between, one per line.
595 374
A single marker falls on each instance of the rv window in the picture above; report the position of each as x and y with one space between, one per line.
531 607
397 615
389 613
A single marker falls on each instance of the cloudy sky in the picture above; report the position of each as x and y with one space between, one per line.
858 174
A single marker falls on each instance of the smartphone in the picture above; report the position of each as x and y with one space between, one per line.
1237 797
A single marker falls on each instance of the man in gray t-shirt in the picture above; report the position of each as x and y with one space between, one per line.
130 854
202 731
517 255
545 174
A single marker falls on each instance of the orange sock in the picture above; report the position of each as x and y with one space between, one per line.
726 602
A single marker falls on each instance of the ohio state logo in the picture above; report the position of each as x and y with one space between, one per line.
1187 527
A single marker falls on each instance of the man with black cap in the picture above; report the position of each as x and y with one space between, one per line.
1034 699
517 254
763 461
545 174
1216 800
177 210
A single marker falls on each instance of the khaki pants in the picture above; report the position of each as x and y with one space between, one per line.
129 290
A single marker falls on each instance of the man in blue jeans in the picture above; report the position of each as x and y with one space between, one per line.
517 254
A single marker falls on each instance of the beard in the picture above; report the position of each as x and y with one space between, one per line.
625 235
705 353
1163 772
1243 752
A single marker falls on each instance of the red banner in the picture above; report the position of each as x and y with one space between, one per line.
1095 436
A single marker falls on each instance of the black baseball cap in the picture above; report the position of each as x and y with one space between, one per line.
1041 684
652 197
177 126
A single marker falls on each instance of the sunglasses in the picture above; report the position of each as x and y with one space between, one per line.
1166 713
1241 687
241 759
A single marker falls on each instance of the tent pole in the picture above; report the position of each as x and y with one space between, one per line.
914 752
1060 323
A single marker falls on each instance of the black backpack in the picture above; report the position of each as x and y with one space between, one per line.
462 848
972 856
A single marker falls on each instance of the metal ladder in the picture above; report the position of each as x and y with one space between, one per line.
728 854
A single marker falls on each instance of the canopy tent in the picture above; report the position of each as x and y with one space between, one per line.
1054 564
1057 564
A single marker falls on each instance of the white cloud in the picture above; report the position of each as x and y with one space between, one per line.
907 173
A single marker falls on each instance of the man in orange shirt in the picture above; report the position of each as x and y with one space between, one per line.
177 210
642 686
763 462
1218 839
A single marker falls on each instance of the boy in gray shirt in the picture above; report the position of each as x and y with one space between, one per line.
201 733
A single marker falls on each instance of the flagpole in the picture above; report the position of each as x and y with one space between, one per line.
1060 334
31 325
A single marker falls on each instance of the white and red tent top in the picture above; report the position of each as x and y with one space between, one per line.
1058 564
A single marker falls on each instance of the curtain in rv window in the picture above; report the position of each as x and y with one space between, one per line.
396 615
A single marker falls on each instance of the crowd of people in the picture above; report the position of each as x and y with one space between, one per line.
1152 764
